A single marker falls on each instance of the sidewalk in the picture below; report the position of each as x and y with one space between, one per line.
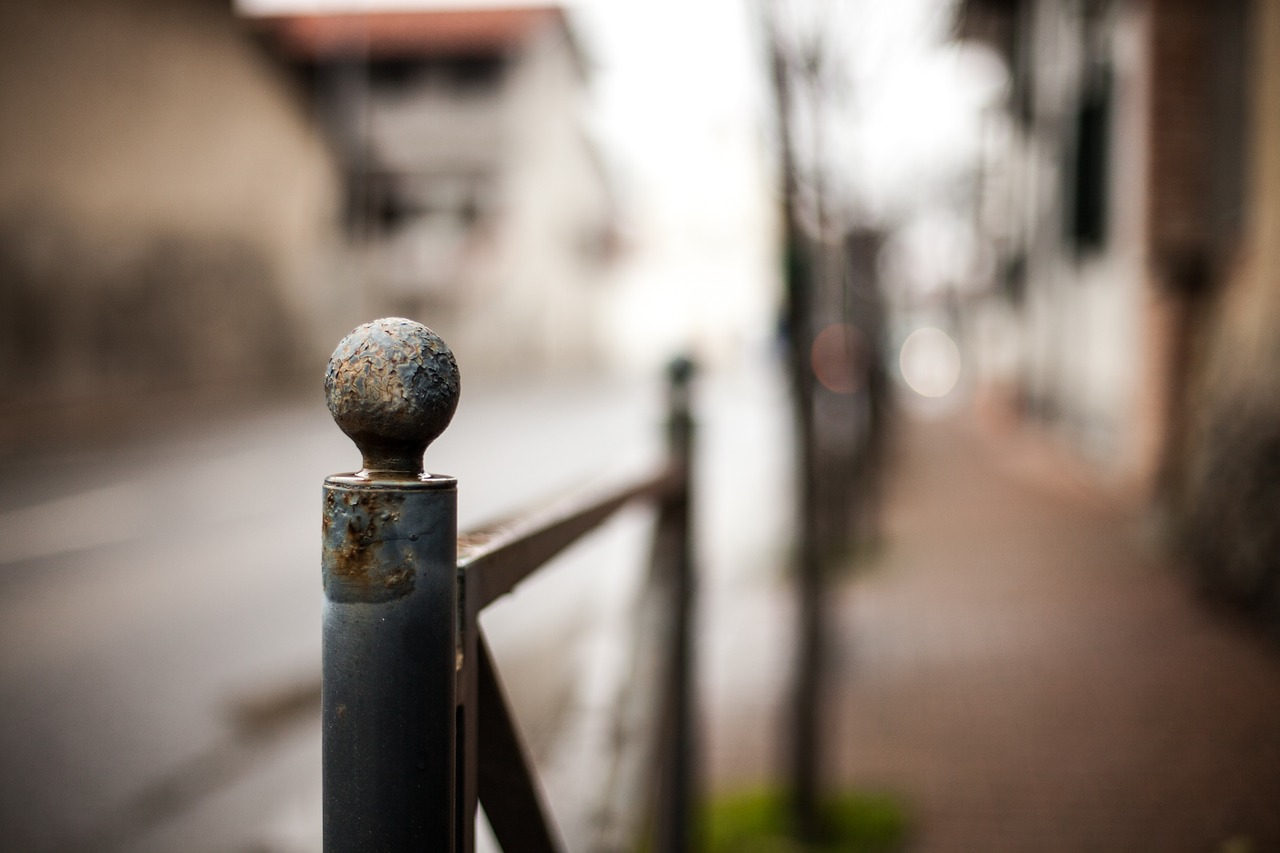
1028 675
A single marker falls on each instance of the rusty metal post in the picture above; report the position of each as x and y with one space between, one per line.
390 612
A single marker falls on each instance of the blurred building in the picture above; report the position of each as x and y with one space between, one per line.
474 199
184 204
163 202
1131 210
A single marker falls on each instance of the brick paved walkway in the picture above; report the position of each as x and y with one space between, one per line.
1030 676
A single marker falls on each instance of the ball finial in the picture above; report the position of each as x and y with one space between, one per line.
392 387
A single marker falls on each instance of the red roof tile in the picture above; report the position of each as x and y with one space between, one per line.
407 34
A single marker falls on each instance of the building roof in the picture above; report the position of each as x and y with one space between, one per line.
402 35
989 22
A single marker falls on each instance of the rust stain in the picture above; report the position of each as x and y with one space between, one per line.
474 539
353 558
352 562
363 560
398 577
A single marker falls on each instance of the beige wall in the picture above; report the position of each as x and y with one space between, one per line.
162 199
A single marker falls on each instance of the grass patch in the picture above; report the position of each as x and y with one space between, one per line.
757 822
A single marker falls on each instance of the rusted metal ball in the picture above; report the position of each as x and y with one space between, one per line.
392 386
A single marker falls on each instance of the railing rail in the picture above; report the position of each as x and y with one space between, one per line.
494 559
417 726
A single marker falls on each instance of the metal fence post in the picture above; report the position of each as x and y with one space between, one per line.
676 830
390 613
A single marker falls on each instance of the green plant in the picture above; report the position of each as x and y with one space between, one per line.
758 822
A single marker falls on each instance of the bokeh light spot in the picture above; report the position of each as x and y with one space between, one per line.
930 362
839 358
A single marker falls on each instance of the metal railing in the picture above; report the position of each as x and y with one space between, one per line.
416 725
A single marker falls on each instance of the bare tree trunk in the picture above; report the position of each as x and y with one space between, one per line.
804 719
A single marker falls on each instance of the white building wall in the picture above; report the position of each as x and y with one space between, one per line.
1079 332
516 291
555 208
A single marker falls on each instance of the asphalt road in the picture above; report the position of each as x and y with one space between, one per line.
160 599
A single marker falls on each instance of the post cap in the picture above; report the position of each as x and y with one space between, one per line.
392 386
680 370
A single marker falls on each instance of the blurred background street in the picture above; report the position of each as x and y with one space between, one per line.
985 301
